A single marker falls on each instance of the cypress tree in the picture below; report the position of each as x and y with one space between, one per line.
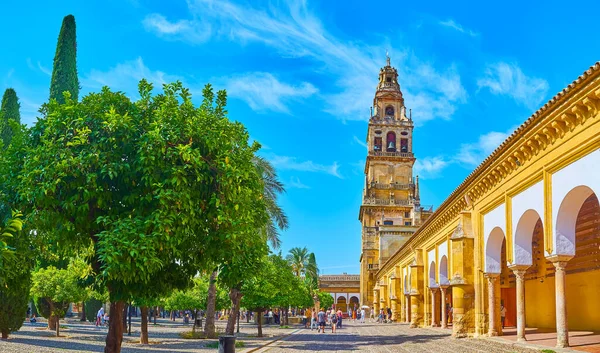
64 71
9 110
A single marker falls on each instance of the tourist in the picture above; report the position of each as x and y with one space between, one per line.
380 318
33 319
372 314
334 321
339 318
321 317
354 314
389 315
313 321
305 317
502 314
105 319
99 317
362 315
270 317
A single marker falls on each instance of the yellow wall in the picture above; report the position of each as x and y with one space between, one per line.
540 304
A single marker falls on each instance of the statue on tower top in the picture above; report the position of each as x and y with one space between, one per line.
387 58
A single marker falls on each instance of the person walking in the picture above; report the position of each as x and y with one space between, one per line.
339 319
372 314
389 315
334 321
502 314
321 318
100 316
362 316
313 321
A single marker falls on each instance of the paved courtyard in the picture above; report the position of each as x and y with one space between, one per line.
381 338
164 337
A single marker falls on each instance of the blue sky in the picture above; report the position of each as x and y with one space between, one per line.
301 76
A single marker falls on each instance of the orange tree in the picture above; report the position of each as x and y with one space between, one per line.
153 184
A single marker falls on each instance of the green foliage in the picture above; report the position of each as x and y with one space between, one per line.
325 299
9 113
275 285
91 309
16 282
56 287
64 71
157 188
238 344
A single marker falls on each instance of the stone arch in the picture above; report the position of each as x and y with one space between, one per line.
354 300
570 188
493 251
523 237
340 295
567 218
432 282
407 282
444 271
390 141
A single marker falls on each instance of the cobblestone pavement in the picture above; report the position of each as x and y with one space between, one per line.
381 338
164 337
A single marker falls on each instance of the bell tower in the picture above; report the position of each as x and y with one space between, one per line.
391 209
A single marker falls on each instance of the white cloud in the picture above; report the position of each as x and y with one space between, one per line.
295 32
126 76
264 91
508 79
360 142
469 155
430 167
291 163
472 154
195 31
295 183
452 24
39 67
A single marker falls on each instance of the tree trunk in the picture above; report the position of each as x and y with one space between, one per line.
114 338
124 318
129 316
235 295
57 326
82 317
195 318
51 318
259 318
144 328
4 335
209 327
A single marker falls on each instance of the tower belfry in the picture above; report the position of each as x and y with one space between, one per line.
391 211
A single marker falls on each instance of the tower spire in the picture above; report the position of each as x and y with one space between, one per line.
387 58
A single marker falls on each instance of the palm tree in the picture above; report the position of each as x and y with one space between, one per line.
298 259
272 188
277 221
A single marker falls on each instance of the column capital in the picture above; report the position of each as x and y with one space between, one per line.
559 260
491 276
434 289
519 270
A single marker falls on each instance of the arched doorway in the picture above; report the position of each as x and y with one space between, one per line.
354 303
341 304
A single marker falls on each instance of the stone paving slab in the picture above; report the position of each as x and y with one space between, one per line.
86 337
391 338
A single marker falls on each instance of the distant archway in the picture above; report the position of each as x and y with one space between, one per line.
493 251
444 271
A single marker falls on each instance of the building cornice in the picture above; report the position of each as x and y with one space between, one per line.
550 124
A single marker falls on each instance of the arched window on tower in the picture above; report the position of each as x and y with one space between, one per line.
389 111
403 145
377 144
391 142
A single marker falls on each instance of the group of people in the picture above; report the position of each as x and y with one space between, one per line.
332 318
101 317
385 315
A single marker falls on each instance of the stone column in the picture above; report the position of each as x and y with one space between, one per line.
492 277
394 308
376 302
408 308
562 328
443 307
519 271
434 322
416 293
